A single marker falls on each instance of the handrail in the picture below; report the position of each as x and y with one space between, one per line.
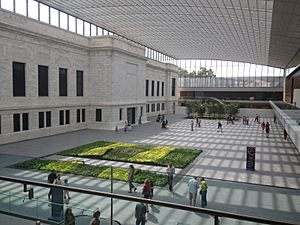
214 213
101 218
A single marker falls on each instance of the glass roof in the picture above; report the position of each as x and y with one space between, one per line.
265 32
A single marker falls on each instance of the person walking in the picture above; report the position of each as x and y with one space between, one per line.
193 186
275 118
192 125
170 172
263 126
140 213
69 217
203 192
125 126
147 192
51 177
267 129
57 180
66 192
285 134
151 189
96 218
130 179
220 126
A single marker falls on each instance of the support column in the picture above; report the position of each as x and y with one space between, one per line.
283 84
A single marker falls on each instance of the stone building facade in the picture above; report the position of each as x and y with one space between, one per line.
54 81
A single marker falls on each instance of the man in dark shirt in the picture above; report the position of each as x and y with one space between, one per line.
51 177
140 213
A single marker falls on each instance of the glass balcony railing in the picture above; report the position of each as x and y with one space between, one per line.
117 207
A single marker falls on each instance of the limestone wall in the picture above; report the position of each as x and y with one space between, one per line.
114 70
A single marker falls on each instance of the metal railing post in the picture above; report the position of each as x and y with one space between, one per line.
9 206
37 208
111 199
217 221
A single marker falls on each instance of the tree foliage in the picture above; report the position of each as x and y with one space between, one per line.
232 109
202 72
200 108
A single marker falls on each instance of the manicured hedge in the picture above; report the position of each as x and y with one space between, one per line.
123 154
74 167
140 176
180 157
118 151
152 155
85 148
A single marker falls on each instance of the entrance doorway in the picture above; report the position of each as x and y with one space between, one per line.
131 115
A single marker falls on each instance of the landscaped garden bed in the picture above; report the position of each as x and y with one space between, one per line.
119 151
77 168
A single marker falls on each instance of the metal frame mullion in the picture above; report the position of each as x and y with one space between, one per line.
14 6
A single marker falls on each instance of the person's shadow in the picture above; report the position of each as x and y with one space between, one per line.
152 218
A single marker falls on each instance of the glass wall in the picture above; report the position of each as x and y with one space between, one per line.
217 73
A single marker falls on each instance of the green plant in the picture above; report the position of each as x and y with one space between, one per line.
232 109
123 154
152 155
62 167
77 150
73 167
118 151
180 157
200 108
190 108
157 179
100 151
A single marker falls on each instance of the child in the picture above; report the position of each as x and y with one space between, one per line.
66 192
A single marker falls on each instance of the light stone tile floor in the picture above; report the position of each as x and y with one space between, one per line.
223 158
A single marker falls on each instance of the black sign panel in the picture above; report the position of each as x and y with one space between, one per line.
250 161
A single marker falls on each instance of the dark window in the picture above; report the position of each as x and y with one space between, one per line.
157 89
147 87
158 107
152 107
162 106
43 80
83 115
79 83
78 115
61 117
18 79
48 119
67 116
121 114
99 115
162 88
41 119
152 88
173 86
63 82
147 108
17 122
25 121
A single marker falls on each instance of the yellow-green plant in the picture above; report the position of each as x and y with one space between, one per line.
118 174
60 166
102 150
152 155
